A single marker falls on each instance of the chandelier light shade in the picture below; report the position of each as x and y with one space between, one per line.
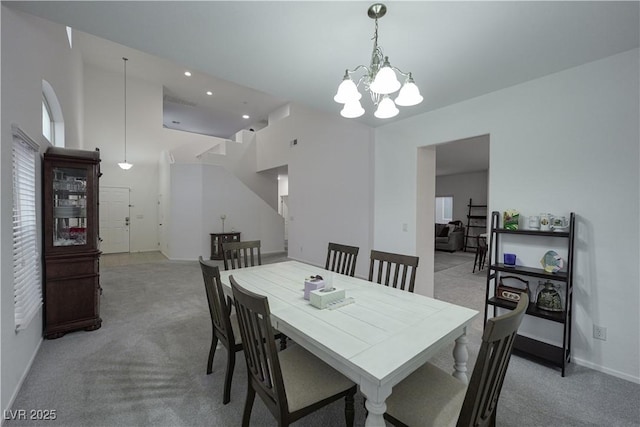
409 94
125 165
380 80
386 108
352 109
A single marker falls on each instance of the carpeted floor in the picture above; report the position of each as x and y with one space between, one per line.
146 365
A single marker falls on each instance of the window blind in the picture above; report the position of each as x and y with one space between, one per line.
27 287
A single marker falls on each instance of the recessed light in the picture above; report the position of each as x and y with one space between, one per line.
245 116
209 93
187 73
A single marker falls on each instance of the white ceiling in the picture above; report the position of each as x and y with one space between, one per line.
185 98
298 50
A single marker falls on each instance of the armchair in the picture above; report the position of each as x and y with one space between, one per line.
449 237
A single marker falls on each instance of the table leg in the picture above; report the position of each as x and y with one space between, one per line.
460 356
375 404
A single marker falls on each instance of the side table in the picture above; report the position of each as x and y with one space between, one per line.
217 239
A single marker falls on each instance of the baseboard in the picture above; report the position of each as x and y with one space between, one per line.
604 370
19 385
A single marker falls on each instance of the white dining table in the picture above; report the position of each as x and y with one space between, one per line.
376 341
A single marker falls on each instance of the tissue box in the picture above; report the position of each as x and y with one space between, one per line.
312 285
321 299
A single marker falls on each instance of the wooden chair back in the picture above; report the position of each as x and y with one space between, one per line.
265 375
241 254
481 399
395 270
342 259
219 308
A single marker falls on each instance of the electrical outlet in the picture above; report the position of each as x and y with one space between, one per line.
600 332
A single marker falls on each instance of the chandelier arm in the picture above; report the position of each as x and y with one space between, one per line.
358 68
402 73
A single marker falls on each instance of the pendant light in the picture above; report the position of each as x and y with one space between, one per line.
125 165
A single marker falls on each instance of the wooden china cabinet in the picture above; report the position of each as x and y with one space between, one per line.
71 254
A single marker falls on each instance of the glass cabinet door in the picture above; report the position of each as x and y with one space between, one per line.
69 206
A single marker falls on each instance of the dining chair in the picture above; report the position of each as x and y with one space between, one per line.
245 254
292 383
481 253
403 268
432 397
342 259
241 254
224 325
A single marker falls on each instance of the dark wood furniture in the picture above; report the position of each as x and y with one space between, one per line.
481 253
292 383
476 225
342 259
432 397
398 271
217 239
224 324
558 355
241 254
71 254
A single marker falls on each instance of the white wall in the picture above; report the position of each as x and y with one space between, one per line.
330 181
565 142
463 186
199 195
32 50
240 158
185 231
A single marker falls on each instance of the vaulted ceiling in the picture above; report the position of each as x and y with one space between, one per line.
256 56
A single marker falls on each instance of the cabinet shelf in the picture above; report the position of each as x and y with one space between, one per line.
540 350
558 355
529 271
532 310
533 232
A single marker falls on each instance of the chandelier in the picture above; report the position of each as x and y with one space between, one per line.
379 80
124 165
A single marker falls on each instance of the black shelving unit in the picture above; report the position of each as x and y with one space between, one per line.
476 224
558 356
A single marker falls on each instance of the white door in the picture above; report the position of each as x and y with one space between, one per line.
114 219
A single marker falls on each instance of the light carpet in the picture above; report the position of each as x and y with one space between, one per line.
146 365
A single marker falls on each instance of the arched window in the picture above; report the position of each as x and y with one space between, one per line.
48 127
52 119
